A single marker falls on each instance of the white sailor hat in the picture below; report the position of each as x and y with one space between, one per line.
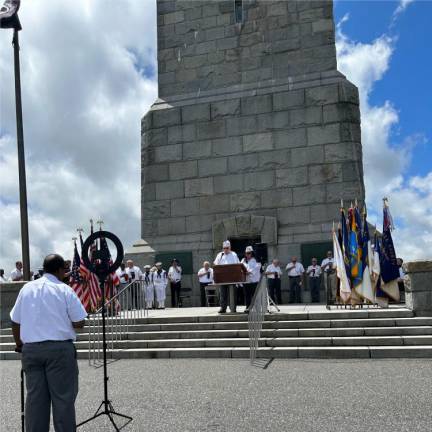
147 267
158 264
249 249
226 243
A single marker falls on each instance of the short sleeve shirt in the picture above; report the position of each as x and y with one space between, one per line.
294 270
45 309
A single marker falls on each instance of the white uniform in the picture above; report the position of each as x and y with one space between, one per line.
134 273
148 288
254 270
160 281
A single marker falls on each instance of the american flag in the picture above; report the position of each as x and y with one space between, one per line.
112 280
76 281
92 290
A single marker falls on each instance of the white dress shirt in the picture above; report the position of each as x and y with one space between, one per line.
294 269
135 272
226 258
174 274
273 269
325 262
45 309
16 275
254 270
314 271
205 276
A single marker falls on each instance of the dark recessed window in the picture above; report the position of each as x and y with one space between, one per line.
238 11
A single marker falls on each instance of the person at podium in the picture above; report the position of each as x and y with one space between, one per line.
227 256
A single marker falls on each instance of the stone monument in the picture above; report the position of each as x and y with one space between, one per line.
255 136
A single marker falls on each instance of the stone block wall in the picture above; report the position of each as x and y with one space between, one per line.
284 146
202 47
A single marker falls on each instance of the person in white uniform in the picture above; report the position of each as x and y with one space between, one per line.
314 275
44 318
134 275
17 273
148 286
274 274
227 256
253 275
174 277
205 276
295 272
160 282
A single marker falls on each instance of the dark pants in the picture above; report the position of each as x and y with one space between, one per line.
51 372
314 285
249 291
295 289
224 293
175 293
274 286
203 293
134 302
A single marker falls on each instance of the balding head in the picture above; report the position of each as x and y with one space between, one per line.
55 265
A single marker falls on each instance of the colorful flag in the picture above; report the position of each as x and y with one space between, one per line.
381 298
355 252
9 14
366 289
344 283
388 262
112 279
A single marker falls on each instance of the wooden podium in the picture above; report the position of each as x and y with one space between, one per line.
229 274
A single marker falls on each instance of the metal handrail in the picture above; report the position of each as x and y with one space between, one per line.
124 309
257 311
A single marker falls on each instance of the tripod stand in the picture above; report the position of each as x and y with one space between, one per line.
103 268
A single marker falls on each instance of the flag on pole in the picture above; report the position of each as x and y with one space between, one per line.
388 262
112 280
344 283
77 282
365 290
355 253
9 14
381 298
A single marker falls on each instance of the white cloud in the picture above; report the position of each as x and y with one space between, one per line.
403 4
84 93
386 160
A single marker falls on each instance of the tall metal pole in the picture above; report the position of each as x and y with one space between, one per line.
21 162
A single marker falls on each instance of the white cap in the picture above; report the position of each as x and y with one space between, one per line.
249 249
226 243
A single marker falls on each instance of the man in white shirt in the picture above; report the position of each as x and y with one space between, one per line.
174 276
227 256
44 319
205 276
314 274
295 272
253 276
134 275
16 273
274 274
330 277
160 282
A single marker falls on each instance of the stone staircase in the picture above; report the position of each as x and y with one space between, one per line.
367 333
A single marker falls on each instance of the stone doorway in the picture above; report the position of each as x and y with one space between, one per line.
238 245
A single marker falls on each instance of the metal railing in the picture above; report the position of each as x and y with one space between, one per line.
257 311
123 311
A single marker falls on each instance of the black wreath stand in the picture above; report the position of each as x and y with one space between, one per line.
100 265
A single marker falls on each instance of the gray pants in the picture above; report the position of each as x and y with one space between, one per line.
224 297
51 372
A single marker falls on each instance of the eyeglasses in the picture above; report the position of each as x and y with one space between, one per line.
225 247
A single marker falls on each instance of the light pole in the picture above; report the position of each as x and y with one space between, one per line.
9 19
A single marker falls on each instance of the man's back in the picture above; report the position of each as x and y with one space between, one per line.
45 309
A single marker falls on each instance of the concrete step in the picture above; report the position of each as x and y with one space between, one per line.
328 352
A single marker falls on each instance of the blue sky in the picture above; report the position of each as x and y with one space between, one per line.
407 83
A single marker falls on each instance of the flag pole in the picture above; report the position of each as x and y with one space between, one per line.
21 161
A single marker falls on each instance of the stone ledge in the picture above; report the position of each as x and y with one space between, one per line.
418 267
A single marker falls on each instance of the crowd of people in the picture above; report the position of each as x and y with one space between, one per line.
155 280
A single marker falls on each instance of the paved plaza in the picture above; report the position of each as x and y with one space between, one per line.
230 395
